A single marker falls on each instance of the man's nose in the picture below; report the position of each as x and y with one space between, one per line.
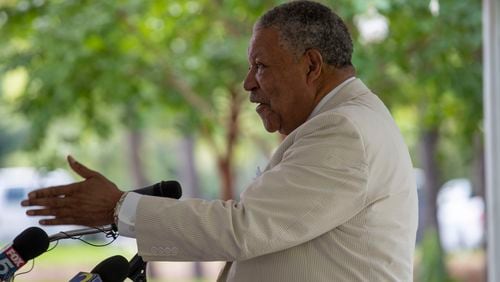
250 83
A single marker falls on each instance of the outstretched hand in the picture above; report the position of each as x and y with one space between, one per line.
90 202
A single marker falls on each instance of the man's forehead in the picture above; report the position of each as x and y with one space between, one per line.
262 41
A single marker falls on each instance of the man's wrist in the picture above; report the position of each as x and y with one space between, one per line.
126 214
118 207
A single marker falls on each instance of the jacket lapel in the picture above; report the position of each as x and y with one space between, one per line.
278 154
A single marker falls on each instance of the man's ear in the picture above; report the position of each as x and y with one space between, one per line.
314 62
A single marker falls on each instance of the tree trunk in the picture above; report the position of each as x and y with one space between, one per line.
225 161
432 267
430 138
226 178
188 175
135 164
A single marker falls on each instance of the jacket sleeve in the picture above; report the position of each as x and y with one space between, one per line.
319 184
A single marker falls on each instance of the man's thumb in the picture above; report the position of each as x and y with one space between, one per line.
82 170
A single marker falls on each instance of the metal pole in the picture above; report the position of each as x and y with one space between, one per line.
491 81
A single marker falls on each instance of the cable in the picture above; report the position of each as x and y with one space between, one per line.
33 263
53 247
110 234
27 271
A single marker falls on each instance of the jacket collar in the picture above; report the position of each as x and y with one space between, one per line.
350 91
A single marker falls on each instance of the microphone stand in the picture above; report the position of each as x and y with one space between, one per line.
84 231
138 267
137 271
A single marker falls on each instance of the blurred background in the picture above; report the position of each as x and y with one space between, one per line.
149 90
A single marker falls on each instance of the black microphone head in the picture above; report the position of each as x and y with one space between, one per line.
31 243
112 269
168 189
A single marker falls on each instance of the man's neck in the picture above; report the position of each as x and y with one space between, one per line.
333 77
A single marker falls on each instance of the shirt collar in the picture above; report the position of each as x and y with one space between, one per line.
329 96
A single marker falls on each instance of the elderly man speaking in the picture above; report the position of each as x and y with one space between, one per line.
337 201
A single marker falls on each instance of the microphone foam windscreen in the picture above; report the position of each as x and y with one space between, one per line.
112 269
168 189
31 243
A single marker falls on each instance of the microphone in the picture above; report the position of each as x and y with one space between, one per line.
166 189
137 269
112 269
31 243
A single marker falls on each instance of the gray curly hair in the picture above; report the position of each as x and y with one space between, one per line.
305 24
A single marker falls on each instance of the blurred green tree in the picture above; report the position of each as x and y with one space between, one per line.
99 62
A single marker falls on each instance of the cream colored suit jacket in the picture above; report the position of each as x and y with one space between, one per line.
337 202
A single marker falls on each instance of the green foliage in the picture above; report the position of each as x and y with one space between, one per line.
102 61
11 138
105 61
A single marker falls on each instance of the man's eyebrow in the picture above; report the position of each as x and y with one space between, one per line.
257 54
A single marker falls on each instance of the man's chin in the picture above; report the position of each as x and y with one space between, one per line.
271 128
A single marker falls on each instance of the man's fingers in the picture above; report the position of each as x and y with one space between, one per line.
90 202
58 216
53 202
54 191
48 211
59 221
63 220
79 168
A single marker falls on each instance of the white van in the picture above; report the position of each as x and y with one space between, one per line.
15 184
